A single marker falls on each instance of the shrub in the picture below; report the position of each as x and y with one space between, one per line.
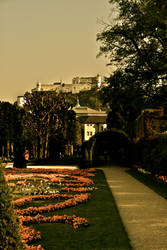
152 154
9 224
112 146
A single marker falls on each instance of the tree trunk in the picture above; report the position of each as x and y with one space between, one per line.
46 145
39 149
46 139
8 149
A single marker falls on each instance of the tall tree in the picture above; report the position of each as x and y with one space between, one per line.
70 127
10 122
126 100
136 43
45 117
137 40
20 138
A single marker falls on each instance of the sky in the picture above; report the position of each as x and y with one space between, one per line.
47 41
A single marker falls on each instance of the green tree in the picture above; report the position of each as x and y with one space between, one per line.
70 127
89 98
20 139
136 41
9 223
45 118
126 100
10 127
79 132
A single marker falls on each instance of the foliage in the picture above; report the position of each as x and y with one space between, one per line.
159 99
110 147
9 224
70 127
90 98
78 134
151 154
6 121
10 122
135 42
45 118
125 99
12 133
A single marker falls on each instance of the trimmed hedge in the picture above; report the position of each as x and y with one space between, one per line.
151 153
112 146
9 225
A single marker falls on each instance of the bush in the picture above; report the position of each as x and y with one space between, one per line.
152 154
9 224
112 146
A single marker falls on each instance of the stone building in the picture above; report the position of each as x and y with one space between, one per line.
92 121
78 84
149 123
20 101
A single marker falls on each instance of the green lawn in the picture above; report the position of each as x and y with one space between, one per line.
151 181
105 230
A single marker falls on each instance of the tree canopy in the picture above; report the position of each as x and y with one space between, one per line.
90 98
45 116
10 122
137 39
136 43
126 100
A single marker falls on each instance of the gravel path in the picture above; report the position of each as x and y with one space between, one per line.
143 212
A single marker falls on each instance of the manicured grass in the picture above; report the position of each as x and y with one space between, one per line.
105 230
151 181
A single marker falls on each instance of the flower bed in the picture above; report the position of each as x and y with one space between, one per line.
161 177
76 200
71 189
82 172
25 200
143 171
41 184
73 220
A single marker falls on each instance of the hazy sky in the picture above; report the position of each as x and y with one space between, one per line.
47 41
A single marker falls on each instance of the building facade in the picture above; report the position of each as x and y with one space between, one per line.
149 123
91 120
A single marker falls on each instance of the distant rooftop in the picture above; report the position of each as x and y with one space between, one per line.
92 119
85 111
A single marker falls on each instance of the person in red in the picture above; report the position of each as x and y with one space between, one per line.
26 158
26 155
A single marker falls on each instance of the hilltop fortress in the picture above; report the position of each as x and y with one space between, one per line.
78 84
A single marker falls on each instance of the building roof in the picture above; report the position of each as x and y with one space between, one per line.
85 111
92 119
82 110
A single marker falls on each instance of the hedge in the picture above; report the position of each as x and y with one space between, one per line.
151 154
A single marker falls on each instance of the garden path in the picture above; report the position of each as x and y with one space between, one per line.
143 212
